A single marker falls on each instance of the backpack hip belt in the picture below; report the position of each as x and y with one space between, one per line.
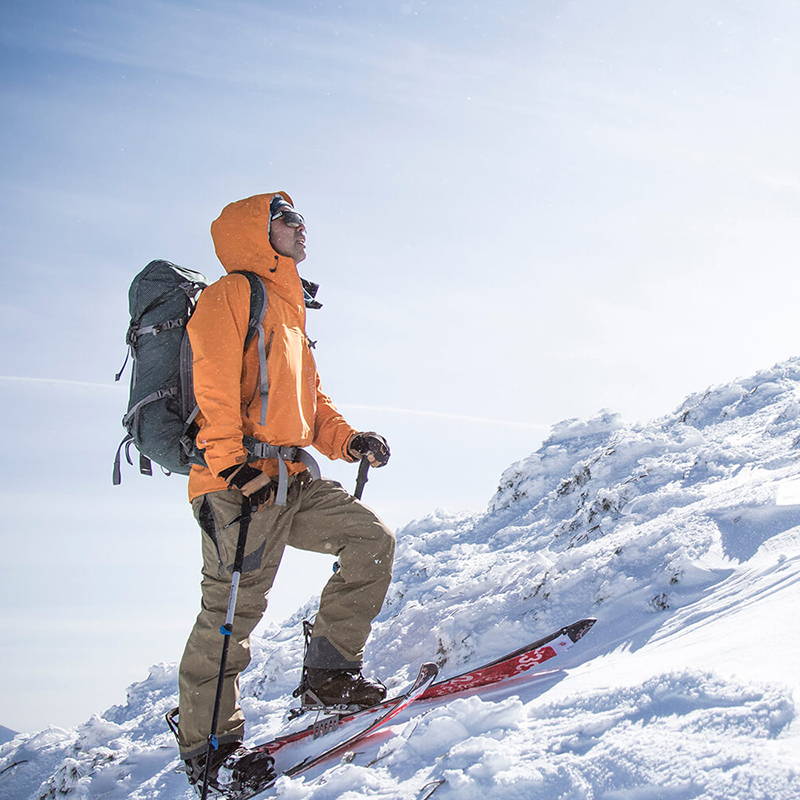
282 454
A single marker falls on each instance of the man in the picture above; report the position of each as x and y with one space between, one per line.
267 391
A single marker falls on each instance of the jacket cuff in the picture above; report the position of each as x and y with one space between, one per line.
229 460
346 455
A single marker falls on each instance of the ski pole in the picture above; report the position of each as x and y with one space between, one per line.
361 480
226 629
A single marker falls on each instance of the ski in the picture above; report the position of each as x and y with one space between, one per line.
518 662
391 709
510 665
515 663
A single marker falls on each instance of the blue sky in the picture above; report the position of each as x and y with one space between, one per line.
517 213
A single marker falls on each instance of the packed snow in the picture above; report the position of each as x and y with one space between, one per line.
682 536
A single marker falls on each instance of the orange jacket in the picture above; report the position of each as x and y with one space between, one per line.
226 378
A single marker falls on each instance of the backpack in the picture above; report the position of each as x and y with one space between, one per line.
160 420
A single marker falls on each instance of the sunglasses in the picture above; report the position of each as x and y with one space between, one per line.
291 218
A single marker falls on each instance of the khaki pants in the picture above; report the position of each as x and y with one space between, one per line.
320 516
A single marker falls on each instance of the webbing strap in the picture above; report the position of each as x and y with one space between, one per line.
191 418
263 377
145 464
262 374
282 455
185 371
117 474
137 331
150 398
311 464
124 364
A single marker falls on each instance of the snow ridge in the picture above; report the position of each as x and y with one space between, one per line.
668 532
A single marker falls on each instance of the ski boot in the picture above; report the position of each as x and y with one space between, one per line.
333 691
345 689
233 770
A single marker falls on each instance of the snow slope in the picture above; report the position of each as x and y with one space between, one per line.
682 536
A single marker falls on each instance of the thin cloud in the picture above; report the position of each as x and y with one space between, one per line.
60 381
442 415
340 50
416 412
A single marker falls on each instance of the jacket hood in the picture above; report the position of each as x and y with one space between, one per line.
241 240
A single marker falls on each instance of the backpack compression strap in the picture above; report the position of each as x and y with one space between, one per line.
131 422
145 464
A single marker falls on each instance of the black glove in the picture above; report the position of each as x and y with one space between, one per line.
372 445
252 483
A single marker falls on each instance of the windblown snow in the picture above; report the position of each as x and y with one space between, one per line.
682 536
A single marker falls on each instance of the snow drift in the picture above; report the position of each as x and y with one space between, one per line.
676 535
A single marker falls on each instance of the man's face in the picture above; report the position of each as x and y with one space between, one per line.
287 240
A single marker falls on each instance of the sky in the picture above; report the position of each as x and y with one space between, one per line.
517 215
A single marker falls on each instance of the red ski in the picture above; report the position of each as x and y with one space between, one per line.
513 664
508 666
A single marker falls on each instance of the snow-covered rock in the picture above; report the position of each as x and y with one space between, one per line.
675 534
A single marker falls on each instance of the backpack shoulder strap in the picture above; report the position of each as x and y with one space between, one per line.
255 327
258 303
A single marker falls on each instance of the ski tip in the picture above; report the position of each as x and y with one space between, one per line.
427 672
425 677
580 628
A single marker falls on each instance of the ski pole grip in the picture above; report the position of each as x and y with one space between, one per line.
361 480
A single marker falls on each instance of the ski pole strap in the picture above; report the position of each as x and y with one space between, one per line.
282 455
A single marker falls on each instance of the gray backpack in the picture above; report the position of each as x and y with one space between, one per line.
160 421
